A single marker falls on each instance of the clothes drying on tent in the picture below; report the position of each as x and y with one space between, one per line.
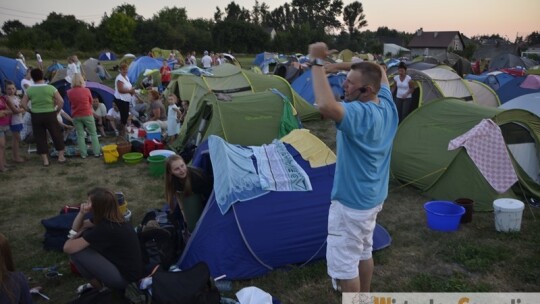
420 155
275 230
238 178
486 147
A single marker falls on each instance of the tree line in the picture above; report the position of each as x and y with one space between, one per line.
234 29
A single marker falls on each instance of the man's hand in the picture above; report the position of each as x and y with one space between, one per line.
318 50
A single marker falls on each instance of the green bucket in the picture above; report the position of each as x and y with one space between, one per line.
157 165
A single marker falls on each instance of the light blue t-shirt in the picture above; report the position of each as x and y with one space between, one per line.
364 145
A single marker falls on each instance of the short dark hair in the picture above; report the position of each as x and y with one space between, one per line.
402 65
37 75
371 72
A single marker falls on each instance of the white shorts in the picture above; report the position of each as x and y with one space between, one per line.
350 239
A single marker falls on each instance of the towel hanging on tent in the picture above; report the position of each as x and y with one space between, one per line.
237 177
486 147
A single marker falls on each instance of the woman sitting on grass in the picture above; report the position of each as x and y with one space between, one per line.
105 249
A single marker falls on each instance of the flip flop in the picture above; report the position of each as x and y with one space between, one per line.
46 165
62 161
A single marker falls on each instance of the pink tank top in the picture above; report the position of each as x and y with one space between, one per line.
4 121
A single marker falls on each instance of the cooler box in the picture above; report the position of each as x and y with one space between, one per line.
153 131
154 135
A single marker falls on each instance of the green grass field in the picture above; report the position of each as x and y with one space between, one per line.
474 259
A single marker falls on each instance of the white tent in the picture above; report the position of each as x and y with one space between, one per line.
394 49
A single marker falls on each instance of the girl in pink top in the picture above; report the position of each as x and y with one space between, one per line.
81 111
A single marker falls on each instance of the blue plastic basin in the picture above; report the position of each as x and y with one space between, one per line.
443 215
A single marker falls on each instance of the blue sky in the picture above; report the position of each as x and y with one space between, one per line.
471 17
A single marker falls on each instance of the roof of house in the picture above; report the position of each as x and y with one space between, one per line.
433 39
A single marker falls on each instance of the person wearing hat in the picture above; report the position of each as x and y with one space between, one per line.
206 61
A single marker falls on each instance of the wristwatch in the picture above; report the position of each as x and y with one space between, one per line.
317 61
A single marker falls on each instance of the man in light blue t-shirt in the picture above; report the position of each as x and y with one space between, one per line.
366 124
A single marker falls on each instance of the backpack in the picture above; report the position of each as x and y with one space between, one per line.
191 286
160 243
57 228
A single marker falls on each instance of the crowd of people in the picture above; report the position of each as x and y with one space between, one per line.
104 247
38 113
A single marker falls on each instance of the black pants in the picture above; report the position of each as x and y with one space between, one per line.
123 107
43 122
403 106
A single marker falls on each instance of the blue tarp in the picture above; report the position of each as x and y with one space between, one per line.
141 64
269 232
11 69
303 85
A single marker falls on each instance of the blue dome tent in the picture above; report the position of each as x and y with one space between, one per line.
271 231
107 56
303 85
11 69
137 67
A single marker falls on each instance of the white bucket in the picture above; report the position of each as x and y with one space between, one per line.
508 213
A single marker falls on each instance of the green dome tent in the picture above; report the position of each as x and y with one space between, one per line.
442 81
236 105
420 155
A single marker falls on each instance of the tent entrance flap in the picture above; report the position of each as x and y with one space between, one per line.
523 149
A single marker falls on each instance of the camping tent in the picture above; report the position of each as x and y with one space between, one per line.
519 86
264 59
140 65
420 66
420 155
443 82
494 80
510 61
303 85
164 54
231 82
11 69
271 231
459 64
529 102
107 56
52 69
89 72
231 59
393 49
290 70
104 93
